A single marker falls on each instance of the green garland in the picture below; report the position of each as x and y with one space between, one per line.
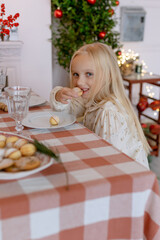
81 23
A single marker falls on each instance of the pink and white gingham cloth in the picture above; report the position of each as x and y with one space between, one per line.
110 196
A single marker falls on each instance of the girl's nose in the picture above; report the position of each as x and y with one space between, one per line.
80 80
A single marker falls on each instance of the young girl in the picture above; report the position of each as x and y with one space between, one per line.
104 105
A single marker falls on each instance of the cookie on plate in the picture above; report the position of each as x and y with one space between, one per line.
28 149
2 141
11 140
13 153
6 162
54 120
27 163
19 143
12 169
3 107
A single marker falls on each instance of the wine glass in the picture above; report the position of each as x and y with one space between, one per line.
18 104
2 79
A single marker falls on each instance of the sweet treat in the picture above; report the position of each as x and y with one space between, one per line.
27 163
2 152
19 143
3 138
2 144
54 120
78 90
13 153
17 154
3 107
12 169
6 163
11 140
2 141
28 149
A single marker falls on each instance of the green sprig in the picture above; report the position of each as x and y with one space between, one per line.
45 150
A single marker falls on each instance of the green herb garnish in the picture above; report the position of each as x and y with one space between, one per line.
45 150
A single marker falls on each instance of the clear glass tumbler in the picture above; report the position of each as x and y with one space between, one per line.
18 104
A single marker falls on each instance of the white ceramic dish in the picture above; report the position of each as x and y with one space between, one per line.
41 120
36 100
46 161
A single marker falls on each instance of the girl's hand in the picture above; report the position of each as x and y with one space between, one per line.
65 94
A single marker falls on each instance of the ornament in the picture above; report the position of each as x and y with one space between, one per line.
117 3
119 53
144 125
143 104
58 13
111 11
155 129
102 34
91 1
155 105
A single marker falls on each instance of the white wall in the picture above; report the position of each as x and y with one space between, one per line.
34 32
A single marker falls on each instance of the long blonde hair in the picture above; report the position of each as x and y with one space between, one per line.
110 83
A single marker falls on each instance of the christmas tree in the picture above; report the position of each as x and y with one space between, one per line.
77 22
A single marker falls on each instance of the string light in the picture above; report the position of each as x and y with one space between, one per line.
127 56
128 61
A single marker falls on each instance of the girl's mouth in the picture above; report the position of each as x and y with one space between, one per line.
85 90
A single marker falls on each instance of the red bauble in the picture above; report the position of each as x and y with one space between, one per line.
111 11
155 129
119 53
58 13
117 3
91 1
101 35
144 125
155 105
143 104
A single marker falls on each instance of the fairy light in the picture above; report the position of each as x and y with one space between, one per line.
149 90
127 57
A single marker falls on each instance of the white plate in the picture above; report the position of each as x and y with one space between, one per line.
36 100
41 119
46 161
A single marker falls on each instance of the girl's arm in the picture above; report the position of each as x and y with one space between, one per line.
65 99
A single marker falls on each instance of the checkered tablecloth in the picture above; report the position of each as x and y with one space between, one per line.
110 196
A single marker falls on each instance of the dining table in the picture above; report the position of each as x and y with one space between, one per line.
108 195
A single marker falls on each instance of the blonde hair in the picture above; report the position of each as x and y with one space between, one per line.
109 86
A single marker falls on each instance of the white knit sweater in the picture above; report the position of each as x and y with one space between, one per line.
107 121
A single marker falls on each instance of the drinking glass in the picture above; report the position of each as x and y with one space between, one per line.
2 79
18 104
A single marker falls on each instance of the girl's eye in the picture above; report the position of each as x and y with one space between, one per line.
89 74
75 74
